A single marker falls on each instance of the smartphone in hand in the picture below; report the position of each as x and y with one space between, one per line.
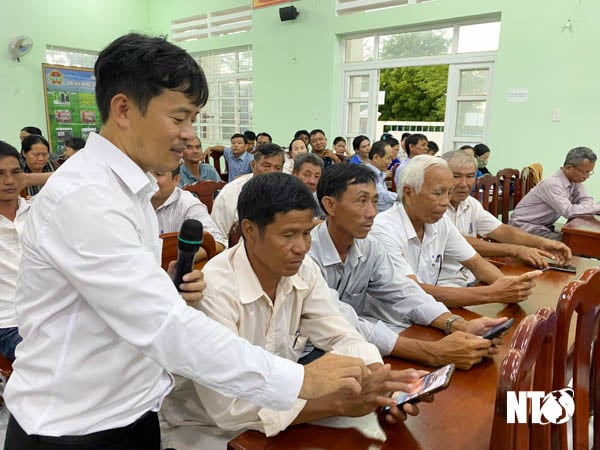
565 268
498 329
432 382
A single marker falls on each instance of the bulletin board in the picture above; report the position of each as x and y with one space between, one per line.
70 99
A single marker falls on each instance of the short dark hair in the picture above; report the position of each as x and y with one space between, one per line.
316 131
8 150
239 135
378 148
264 133
358 140
142 67
32 130
268 150
31 140
250 135
339 139
392 141
75 143
413 139
264 196
404 135
336 178
481 149
299 133
307 158
432 146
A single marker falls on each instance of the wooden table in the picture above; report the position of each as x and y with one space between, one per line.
460 418
582 235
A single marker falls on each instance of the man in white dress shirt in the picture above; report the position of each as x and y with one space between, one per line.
359 269
419 238
265 290
468 215
102 323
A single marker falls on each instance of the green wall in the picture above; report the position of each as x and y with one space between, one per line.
297 64
89 24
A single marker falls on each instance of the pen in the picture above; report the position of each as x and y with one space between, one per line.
297 335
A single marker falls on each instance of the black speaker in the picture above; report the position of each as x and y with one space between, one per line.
288 13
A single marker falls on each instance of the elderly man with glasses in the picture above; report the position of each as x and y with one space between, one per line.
562 194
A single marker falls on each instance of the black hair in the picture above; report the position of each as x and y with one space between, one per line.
8 150
264 196
378 148
316 131
392 141
31 140
142 67
268 150
32 130
336 178
75 143
413 139
250 135
358 140
299 133
386 136
264 133
481 149
239 135
404 135
432 146
338 139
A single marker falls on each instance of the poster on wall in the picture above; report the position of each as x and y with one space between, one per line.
71 109
261 3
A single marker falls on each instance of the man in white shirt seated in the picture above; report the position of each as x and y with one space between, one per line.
267 158
173 206
468 215
419 238
265 290
561 195
362 273
380 158
13 212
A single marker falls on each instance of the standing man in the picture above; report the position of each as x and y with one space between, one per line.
13 212
102 323
562 194
193 168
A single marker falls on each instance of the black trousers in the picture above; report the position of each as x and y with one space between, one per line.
143 434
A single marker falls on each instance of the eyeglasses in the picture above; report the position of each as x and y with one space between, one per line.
588 173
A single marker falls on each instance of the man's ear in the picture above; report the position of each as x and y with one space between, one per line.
120 107
249 230
329 204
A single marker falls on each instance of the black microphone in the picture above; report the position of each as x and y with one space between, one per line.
188 244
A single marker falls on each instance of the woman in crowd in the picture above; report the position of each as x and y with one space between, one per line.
340 148
35 151
482 153
361 145
297 147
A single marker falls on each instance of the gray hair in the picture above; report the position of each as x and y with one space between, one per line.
413 174
307 158
460 159
576 156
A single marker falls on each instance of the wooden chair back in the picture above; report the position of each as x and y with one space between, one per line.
169 248
508 182
205 190
581 298
394 188
235 233
5 368
527 366
216 162
486 191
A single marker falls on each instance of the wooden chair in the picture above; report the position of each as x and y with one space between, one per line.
205 190
235 233
527 366
486 191
169 249
581 298
394 188
216 162
508 182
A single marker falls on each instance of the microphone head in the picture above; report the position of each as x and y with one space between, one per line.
190 235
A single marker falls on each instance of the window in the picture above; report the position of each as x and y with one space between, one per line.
70 56
354 6
229 108
218 23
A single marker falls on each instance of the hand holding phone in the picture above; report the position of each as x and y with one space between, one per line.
562 268
430 383
498 329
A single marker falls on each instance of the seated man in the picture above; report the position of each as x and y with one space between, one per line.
562 194
308 167
193 168
173 206
359 268
419 238
467 214
380 157
267 158
415 144
265 290
13 212
318 146
237 157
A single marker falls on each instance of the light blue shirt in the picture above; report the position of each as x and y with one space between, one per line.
387 198
237 166
207 172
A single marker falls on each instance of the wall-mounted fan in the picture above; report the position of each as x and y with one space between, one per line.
19 46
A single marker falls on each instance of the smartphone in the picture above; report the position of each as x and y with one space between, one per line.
432 382
499 329
565 268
